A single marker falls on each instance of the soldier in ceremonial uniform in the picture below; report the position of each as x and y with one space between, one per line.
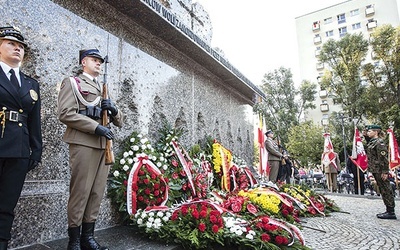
274 156
378 165
80 107
20 126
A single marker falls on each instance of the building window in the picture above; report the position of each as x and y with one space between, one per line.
328 20
323 94
341 18
324 106
317 51
329 33
355 12
315 26
342 31
356 26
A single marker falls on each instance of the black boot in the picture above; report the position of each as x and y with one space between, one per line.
3 245
388 215
87 240
74 234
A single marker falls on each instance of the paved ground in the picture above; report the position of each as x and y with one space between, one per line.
357 228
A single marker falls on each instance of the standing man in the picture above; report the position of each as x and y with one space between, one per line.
20 126
80 108
274 156
378 165
331 172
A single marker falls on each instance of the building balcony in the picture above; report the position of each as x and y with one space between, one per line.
320 66
324 107
372 24
317 52
317 40
323 93
369 11
316 26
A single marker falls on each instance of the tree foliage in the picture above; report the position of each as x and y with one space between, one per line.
284 104
306 143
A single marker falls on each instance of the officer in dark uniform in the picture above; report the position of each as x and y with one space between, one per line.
20 126
378 165
80 106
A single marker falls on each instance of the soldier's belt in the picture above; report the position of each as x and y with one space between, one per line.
14 116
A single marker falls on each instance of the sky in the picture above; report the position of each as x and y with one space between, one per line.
259 36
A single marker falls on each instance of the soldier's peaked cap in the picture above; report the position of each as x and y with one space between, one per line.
373 126
12 33
90 52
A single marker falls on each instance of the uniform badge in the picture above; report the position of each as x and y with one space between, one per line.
33 94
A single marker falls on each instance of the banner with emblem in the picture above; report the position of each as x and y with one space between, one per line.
358 155
328 156
394 157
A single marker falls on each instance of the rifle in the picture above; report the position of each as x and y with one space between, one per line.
109 154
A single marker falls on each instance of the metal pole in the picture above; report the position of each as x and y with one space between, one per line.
344 142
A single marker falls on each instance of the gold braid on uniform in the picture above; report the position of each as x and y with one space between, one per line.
3 120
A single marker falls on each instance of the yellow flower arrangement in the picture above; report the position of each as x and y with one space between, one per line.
268 202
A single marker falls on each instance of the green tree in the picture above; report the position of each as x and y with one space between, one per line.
285 103
342 80
383 76
306 143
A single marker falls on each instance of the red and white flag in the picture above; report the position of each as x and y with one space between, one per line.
358 155
263 169
328 156
394 160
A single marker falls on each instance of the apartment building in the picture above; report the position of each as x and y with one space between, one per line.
314 29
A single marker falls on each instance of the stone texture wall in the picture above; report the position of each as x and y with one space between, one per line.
149 79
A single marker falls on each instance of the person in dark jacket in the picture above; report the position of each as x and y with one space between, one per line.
358 177
20 126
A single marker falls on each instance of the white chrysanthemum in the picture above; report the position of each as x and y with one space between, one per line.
116 173
149 146
251 232
157 220
130 161
132 139
149 224
143 140
144 215
165 218
162 158
160 214
165 167
249 236
153 158
143 147
151 219
159 164
130 152
139 221
122 161
126 154
135 148
139 136
135 159
125 168
151 214
239 232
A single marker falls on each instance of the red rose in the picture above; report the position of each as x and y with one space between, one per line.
153 176
183 173
156 186
174 163
236 207
203 213
251 208
147 191
265 237
125 183
135 187
215 229
202 227
285 212
162 188
159 200
175 176
213 219
184 210
146 181
141 172
156 193
140 198
195 214
166 179
174 216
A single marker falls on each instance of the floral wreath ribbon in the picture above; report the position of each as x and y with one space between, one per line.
185 166
131 195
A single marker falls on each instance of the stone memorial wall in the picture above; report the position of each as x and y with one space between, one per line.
161 68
